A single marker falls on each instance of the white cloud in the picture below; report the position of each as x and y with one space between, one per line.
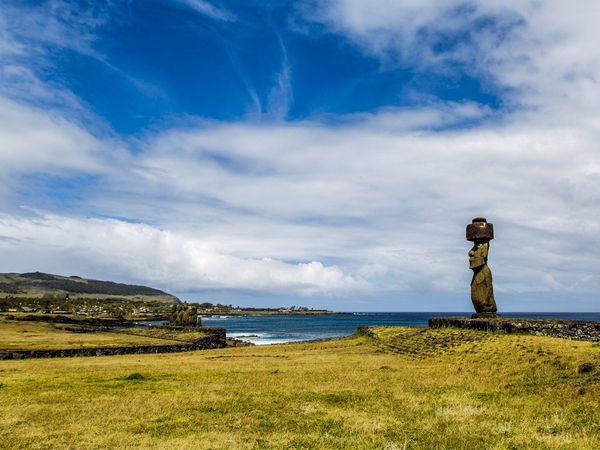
138 251
375 205
383 24
365 194
543 50
33 140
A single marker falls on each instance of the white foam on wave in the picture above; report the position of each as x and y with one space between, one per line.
247 334
271 341
258 338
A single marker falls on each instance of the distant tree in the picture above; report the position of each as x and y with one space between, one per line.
118 314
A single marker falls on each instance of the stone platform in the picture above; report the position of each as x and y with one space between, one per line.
567 329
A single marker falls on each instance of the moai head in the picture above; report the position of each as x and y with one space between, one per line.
480 232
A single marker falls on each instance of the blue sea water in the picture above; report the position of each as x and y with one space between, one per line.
276 329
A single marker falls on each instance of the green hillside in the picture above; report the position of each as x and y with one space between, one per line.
39 290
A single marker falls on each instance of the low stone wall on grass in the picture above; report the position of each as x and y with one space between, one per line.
215 338
567 329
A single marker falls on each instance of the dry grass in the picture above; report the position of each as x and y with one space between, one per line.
409 389
17 335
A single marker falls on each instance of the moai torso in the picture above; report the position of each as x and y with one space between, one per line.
478 255
482 289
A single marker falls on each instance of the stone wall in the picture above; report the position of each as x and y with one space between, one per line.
215 338
59 318
367 331
568 329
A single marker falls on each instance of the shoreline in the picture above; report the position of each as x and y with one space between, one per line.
264 312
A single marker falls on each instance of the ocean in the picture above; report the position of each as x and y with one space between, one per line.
276 329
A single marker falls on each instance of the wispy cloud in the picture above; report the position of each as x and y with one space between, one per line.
256 109
207 9
281 95
31 35
51 24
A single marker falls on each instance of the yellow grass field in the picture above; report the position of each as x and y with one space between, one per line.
404 388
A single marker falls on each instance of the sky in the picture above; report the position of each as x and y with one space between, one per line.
323 153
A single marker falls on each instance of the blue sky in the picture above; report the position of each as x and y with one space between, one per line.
325 153
163 60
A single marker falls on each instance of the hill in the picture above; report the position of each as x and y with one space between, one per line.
38 285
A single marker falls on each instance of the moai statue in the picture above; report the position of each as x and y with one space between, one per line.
480 232
185 316
175 313
194 318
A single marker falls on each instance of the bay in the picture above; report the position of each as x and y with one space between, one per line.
281 328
